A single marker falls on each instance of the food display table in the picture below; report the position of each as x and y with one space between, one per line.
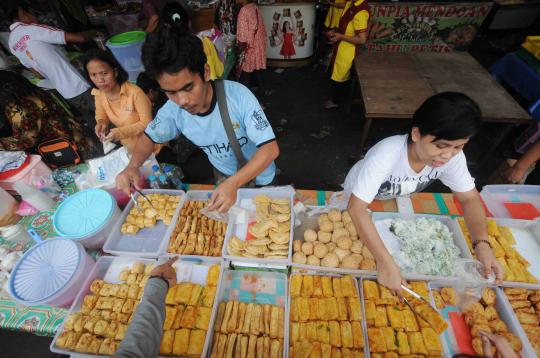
43 320
414 77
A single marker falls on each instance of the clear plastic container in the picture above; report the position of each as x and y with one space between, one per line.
149 242
496 195
87 216
192 195
108 269
50 273
310 222
262 287
527 235
358 292
448 339
452 225
126 48
238 225
36 167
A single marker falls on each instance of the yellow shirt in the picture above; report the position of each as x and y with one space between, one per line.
131 113
333 16
346 50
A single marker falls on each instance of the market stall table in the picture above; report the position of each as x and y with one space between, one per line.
44 320
394 85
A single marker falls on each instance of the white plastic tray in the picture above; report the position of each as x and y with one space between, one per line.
310 222
358 292
527 235
452 225
192 195
505 314
269 278
240 229
361 286
148 242
108 269
496 195
528 350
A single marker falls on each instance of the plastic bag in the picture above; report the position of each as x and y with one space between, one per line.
470 282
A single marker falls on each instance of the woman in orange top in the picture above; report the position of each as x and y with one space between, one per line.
118 102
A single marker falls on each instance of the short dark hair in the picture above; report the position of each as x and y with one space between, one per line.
13 10
108 58
169 50
147 83
448 115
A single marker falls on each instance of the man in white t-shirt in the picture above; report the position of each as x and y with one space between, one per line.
404 164
38 48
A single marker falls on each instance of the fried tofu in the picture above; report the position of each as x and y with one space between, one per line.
347 286
403 343
354 309
183 293
323 332
207 296
296 285
181 341
416 342
377 343
342 309
371 312
327 290
449 295
431 341
381 319
358 334
335 333
202 319
433 317
213 276
307 286
189 317
167 342
390 338
396 317
336 287
346 334
196 342
371 290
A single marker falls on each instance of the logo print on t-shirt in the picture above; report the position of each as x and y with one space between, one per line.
258 119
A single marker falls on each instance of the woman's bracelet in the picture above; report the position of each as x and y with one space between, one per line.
481 241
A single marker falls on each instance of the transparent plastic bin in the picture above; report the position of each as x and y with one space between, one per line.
496 195
452 225
504 310
358 292
36 167
108 269
240 229
263 281
527 235
310 222
192 195
148 242
528 350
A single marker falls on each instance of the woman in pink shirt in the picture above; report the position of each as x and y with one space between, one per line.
251 39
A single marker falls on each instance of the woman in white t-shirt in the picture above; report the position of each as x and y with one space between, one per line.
404 164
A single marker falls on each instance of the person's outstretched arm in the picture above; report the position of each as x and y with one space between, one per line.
516 173
143 338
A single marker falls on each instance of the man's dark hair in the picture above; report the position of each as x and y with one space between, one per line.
13 9
448 115
108 58
169 50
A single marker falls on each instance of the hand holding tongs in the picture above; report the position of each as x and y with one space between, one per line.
132 196
416 295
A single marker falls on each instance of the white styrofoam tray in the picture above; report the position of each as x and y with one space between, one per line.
452 225
505 314
263 278
359 295
496 195
192 195
148 242
238 225
527 235
310 222
108 269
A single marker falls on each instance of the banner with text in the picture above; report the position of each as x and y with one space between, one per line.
415 27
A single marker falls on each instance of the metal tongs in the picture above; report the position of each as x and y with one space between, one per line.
132 196
416 295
